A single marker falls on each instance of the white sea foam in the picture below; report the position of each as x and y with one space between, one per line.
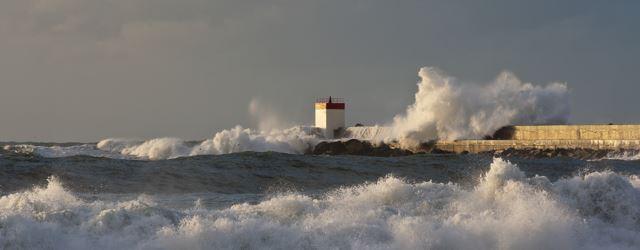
630 155
371 133
505 210
155 149
447 109
63 151
293 140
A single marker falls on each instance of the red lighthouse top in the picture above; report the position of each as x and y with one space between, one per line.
330 103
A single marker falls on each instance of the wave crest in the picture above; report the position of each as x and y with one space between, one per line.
506 210
295 140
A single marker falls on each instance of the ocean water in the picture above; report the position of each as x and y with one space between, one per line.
78 196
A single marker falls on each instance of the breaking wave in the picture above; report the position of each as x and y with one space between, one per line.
293 141
57 151
448 110
505 210
371 133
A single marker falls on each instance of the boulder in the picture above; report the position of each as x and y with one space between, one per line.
329 148
357 147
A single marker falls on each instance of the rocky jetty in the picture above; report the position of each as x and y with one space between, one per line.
366 148
576 153
357 147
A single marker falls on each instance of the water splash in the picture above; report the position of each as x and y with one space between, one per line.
626 155
448 110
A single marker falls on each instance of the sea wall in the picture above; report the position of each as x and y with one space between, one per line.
569 132
543 137
478 146
597 137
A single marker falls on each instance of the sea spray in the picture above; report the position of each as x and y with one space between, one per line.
57 151
268 118
294 140
446 109
504 210
626 155
238 139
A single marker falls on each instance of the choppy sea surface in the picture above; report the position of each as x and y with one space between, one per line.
273 200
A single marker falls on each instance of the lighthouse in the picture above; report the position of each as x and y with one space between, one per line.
330 115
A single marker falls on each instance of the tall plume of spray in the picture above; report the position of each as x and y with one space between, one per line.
446 109
267 117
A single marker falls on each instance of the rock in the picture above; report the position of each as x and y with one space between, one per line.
576 153
357 147
440 151
330 148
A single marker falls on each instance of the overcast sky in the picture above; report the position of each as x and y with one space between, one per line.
82 70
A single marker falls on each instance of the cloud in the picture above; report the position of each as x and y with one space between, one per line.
76 31
105 19
78 68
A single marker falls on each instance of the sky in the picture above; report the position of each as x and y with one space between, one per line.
84 70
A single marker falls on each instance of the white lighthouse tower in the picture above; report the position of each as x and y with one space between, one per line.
330 115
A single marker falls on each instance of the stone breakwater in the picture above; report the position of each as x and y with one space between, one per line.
551 137
479 146
576 141
358 147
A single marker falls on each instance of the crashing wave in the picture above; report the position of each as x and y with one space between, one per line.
448 110
57 151
293 141
372 133
505 210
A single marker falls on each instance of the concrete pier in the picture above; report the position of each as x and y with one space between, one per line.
609 137
478 146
